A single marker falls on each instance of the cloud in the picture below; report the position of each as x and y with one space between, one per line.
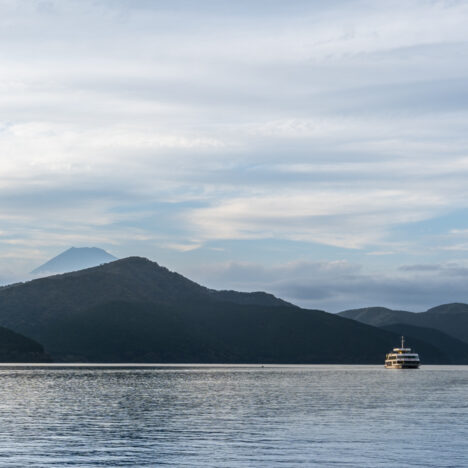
351 220
182 247
420 268
339 285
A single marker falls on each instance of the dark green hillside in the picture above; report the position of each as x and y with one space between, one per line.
18 348
122 332
223 332
451 319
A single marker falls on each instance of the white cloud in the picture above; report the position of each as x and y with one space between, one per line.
187 247
351 219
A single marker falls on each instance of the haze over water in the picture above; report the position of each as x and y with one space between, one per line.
233 416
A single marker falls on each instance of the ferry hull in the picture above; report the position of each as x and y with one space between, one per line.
406 365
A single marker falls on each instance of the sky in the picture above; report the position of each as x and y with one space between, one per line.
315 150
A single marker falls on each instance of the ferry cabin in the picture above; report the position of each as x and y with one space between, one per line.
398 361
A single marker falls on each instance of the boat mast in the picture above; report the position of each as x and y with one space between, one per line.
402 342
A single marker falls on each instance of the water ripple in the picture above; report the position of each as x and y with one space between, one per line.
233 416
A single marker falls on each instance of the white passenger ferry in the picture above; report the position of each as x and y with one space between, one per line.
402 358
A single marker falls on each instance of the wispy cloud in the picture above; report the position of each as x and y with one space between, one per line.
335 286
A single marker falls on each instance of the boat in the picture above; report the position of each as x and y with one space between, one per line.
402 358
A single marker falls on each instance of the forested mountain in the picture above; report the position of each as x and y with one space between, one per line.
18 348
133 310
451 319
219 332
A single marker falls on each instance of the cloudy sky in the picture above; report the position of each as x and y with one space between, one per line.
316 150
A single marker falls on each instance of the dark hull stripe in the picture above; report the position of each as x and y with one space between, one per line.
402 366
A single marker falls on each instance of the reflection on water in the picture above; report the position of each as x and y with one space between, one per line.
356 416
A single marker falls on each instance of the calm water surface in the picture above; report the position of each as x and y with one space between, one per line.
288 416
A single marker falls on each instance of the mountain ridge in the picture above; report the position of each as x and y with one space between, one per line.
134 310
451 319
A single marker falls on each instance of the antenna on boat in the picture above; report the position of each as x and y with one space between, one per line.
402 342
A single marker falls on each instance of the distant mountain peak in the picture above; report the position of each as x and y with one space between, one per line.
454 307
73 259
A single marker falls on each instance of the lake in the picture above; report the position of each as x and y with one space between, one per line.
233 416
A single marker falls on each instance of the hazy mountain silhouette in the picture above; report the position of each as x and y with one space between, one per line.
379 316
15 347
74 259
451 319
